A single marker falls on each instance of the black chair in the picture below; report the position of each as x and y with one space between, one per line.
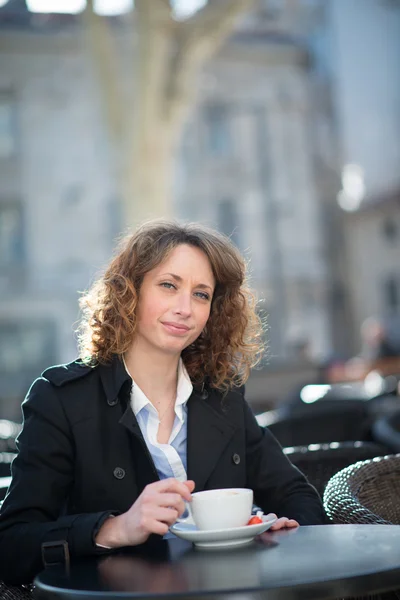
9 431
323 392
319 462
6 459
386 430
4 484
319 423
15 592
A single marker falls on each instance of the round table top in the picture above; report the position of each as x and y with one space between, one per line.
324 561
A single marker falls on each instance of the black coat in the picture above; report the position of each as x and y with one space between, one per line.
81 456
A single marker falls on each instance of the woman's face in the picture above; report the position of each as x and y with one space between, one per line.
175 300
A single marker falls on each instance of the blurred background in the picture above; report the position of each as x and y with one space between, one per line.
275 121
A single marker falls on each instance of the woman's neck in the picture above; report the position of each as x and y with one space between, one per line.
156 375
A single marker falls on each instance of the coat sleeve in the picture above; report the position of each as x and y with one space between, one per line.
42 476
278 485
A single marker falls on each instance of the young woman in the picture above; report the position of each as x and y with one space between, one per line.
114 443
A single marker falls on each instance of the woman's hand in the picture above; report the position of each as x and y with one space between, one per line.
156 509
282 523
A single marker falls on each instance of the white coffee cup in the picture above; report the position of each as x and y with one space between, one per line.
220 509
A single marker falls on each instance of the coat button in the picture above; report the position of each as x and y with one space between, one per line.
112 401
236 459
119 473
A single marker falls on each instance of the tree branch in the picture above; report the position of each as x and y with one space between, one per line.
159 8
209 27
105 61
197 39
154 29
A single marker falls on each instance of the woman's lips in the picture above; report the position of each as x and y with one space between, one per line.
176 329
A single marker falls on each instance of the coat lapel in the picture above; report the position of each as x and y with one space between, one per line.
129 421
145 467
208 435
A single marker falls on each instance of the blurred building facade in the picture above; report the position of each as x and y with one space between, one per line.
373 242
364 48
248 168
57 205
259 161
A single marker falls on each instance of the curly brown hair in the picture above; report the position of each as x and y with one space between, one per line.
232 341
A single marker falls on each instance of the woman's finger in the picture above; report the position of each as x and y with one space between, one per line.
172 501
292 523
279 524
157 527
284 522
174 486
169 499
164 514
189 484
271 516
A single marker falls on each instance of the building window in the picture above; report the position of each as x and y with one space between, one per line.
114 218
391 291
391 4
27 346
390 230
219 139
12 247
227 219
8 136
272 9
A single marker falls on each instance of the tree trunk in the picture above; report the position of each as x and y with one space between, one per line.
149 174
167 59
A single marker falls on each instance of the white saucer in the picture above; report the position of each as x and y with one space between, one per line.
221 538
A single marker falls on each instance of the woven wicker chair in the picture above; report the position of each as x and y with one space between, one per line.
319 462
365 492
14 592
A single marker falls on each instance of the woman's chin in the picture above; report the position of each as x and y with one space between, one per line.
173 346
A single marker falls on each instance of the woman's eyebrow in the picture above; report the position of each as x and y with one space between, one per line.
179 280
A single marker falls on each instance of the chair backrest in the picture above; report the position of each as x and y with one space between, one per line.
365 492
386 430
6 459
322 423
9 431
319 462
5 482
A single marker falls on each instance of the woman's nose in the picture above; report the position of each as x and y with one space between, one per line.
184 305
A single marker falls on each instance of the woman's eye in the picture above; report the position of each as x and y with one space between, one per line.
168 285
203 295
